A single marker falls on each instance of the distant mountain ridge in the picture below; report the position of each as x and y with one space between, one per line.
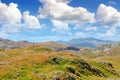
86 42
8 44
82 42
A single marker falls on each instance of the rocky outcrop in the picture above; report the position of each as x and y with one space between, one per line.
86 66
70 69
68 48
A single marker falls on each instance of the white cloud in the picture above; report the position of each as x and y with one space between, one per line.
10 16
109 18
10 13
61 15
91 28
60 27
9 28
30 21
109 33
4 35
107 15
59 10
12 20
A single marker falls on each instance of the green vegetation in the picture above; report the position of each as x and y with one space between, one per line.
41 63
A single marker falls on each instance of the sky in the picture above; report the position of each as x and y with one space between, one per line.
54 20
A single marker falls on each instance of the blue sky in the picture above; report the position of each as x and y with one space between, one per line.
52 20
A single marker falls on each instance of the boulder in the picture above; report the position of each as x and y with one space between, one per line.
55 60
72 70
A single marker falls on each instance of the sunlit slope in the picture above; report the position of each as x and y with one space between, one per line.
37 62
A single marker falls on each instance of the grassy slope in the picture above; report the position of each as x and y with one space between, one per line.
40 63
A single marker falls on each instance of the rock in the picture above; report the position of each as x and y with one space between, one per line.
110 65
69 78
84 65
107 64
55 60
60 49
56 78
74 61
72 48
82 72
71 70
96 71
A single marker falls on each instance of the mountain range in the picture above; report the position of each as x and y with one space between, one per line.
86 42
81 42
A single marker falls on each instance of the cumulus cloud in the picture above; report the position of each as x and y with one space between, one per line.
109 18
30 21
109 33
12 20
60 27
10 16
10 13
61 15
107 15
60 10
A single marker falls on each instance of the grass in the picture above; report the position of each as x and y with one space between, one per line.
37 62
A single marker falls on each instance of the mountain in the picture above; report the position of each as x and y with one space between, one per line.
86 42
58 46
82 42
8 44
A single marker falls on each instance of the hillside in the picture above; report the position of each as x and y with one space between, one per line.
38 62
55 46
59 45
8 44
86 42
